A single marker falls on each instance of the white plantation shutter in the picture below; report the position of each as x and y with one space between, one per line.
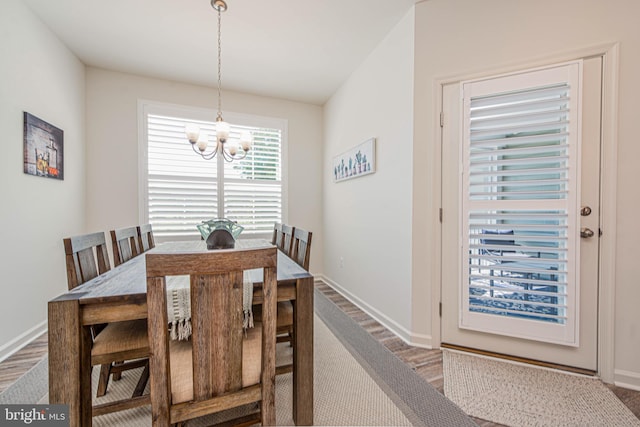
183 189
520 198
253 185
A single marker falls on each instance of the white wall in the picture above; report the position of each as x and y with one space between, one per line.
367 220
38 74
458 37
112 147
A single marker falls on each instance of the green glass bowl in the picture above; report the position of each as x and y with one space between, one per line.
207 227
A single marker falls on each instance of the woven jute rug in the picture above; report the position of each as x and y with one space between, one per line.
344 393
357 381
519 395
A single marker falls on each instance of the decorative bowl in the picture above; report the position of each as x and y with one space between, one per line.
207 227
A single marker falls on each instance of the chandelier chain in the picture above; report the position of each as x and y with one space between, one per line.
199 142
219 66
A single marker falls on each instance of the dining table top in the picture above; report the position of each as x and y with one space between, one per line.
128 280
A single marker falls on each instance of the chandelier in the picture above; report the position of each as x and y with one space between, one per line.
199 141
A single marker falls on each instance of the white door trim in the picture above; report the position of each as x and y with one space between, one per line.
606 307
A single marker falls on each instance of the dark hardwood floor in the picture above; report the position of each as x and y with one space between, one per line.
427 363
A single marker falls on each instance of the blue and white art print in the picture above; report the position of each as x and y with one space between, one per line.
357 162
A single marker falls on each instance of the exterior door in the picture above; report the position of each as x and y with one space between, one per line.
520 198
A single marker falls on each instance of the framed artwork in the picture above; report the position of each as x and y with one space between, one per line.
43 148
357 162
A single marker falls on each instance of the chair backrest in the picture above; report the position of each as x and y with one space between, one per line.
145 237
276 239
301 247
86 257
125 244
287 239
215 356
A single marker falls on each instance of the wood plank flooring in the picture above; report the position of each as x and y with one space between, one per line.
16 365
427 363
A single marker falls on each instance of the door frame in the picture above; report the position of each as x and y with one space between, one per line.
608 178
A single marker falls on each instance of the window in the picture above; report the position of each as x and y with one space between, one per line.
181 189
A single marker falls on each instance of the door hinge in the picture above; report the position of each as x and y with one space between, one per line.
599 232
441 119
440 309
440 215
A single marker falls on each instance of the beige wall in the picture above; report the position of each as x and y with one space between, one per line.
112 147
383 226
38 74
462 37
367 220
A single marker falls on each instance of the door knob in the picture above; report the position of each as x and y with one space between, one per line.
585 211
585 233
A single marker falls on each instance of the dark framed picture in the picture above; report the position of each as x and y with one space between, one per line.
43 148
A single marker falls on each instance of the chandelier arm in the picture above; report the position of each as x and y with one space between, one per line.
206 156
227 157
230 158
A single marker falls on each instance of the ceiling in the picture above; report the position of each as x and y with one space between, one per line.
300 50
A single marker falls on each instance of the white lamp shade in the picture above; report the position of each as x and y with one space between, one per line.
192 132
222 131
245 141
202 142
232 148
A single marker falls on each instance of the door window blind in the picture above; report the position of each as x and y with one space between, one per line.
183 189
520 170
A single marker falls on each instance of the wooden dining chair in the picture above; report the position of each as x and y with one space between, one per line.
125 244
219 368
145 238
276 239
86 258
287 239
300 253
301 247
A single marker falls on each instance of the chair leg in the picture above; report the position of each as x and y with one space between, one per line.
117 375
142 382
103 381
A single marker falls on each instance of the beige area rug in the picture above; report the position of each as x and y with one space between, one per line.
520 395
344 394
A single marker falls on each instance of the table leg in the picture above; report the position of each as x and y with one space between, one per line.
70 361
303 353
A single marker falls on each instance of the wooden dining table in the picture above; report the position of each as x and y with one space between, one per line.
120 294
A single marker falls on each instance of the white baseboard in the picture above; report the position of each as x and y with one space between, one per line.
626 379
22 340
415 340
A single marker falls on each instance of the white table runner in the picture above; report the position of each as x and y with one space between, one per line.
179 305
